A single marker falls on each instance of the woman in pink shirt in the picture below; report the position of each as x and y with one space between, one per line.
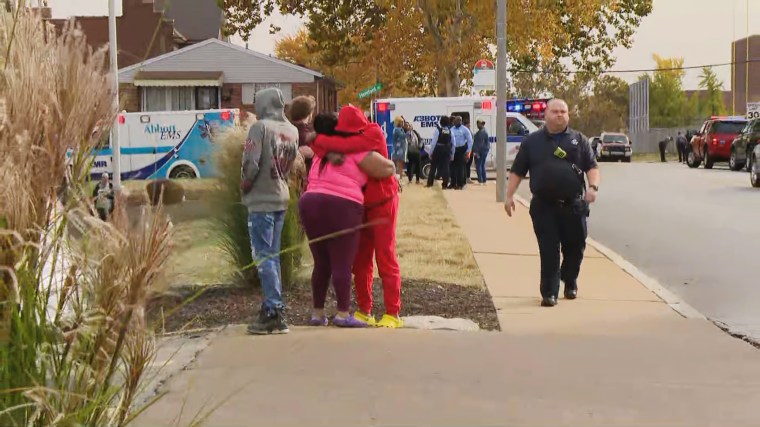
331 212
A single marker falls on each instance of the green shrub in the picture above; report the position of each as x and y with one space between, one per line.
230 218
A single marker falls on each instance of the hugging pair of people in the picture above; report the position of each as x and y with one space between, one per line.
349 212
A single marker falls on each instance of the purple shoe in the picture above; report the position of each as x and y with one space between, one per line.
348 322
318 321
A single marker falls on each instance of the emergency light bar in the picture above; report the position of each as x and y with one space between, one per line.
735 118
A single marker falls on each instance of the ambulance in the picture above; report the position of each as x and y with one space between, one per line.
165 144
424 114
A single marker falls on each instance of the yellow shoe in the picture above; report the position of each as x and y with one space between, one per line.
389 321
366 318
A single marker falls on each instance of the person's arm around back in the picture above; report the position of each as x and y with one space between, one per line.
376 166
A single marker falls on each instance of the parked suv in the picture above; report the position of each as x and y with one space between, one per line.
614 146
743 145
754 167
714 140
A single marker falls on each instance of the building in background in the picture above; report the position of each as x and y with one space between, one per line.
217 74
145 28
741 86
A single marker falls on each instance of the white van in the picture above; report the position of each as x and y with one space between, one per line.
165 144
424 114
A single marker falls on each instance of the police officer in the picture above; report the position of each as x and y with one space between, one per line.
463 149
443 152
557 158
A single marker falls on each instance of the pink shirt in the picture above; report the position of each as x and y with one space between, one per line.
345 181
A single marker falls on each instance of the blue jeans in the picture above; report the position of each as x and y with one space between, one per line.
265 231
480 166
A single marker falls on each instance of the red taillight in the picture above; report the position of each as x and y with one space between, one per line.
225 115
382 107
122 119
715 141
487 105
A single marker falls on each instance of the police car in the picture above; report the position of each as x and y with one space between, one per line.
425 113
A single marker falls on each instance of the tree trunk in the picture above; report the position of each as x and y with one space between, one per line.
448 81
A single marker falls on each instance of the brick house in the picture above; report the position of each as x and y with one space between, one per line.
745 80
149 28
217 74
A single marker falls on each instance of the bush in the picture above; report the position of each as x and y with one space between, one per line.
230 217
165 190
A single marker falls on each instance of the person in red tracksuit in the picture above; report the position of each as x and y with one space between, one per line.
380 209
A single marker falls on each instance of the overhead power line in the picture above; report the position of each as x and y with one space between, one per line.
643 70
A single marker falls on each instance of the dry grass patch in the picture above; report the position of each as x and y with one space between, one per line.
430 243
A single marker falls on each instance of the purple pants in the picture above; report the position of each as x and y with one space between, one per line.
321 215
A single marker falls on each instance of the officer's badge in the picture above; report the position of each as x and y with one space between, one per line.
574 141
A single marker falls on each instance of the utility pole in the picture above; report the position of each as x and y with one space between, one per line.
114 51
501 101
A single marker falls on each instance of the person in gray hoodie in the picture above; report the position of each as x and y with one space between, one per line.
268 156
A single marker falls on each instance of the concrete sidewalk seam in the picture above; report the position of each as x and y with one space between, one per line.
672 300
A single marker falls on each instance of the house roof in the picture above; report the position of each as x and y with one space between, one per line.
214 41
195 19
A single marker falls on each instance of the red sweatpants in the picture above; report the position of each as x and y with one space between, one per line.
379 240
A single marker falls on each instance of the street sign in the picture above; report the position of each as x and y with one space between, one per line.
753 110
369 91
483 64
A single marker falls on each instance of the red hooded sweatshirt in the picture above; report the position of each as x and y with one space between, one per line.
371 138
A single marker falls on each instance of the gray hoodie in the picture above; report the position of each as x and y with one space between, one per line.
268 155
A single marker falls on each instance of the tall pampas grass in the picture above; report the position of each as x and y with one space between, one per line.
74 345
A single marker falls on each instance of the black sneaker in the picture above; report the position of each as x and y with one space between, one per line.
280 324
262 325
266 324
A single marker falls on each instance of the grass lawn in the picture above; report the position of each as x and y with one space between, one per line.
424 252
196 260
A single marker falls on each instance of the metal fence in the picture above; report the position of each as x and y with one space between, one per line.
647 141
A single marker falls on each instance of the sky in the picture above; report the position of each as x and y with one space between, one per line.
700 31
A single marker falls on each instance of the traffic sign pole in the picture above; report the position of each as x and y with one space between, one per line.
501 102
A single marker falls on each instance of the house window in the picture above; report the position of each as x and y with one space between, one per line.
207 98
179 98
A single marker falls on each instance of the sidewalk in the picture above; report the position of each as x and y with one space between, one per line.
617 356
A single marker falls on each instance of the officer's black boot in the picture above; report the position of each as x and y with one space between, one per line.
550 301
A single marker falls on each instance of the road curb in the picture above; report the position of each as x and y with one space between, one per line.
672 300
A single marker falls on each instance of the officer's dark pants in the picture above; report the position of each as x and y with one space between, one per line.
681 153
662 152
558 227
439 166
460 161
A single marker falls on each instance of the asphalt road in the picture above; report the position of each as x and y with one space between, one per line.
696 231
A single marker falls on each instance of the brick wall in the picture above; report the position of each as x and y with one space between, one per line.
323 90
739 83
232 97
129 98
135 32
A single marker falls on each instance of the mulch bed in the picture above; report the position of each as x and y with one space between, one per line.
222 305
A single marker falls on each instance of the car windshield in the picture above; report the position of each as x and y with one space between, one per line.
728 127
615 139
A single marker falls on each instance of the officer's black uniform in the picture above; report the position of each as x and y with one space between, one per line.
558 210
441 158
